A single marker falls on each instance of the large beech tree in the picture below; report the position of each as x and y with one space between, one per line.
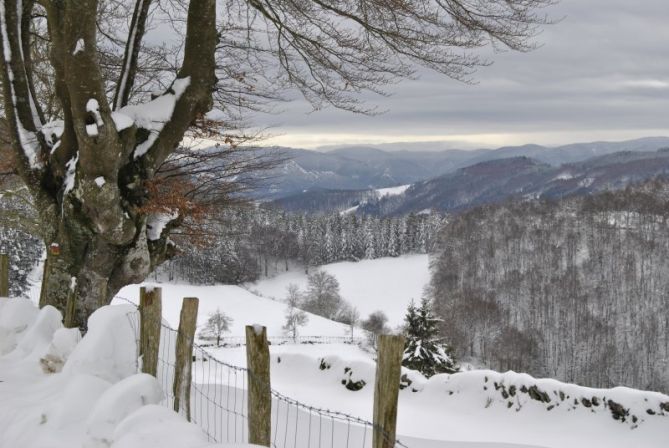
90 147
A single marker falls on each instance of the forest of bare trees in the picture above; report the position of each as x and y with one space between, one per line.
575 290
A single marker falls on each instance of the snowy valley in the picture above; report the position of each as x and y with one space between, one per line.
334 224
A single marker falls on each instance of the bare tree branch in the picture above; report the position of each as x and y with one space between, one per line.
131 56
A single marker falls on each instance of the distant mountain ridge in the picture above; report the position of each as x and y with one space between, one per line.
364 167
493 181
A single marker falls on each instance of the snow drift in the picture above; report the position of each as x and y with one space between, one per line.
62 392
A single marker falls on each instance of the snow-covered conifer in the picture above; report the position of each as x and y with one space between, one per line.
424 350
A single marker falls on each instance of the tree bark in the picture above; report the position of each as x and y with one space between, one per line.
88 188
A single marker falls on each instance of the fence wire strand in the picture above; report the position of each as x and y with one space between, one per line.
219 402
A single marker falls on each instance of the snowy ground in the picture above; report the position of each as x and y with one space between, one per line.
475 412
244 307
98 401
386 284
467 410
430 416
59 392
392 191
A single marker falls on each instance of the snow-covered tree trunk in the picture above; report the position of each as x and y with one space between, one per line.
86 173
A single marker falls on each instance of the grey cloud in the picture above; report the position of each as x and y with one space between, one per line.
603 67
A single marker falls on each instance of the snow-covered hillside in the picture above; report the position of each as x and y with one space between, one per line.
386 284
391 191
516 410
98 401
244 307
477 407
376 194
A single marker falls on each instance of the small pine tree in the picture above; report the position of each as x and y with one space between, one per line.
217 324
423 350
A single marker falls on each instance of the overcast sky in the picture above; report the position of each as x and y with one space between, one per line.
602 73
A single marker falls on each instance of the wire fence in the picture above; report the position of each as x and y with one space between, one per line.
219 403
239 341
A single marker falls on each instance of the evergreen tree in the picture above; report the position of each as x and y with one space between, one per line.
329 251
370 238
424 350
393 241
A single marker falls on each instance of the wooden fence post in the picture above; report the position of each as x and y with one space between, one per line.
70 308
386 390
150 317
259 386
184 355
52 259
45 278
4 275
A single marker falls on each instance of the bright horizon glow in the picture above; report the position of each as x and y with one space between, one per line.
316 140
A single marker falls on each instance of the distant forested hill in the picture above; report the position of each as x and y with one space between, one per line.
576 289
365 168
522 177
489 182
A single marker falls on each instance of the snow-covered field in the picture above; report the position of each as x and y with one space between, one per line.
244 307
470 407
429 416
59 392
392 191
477 409
386 284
